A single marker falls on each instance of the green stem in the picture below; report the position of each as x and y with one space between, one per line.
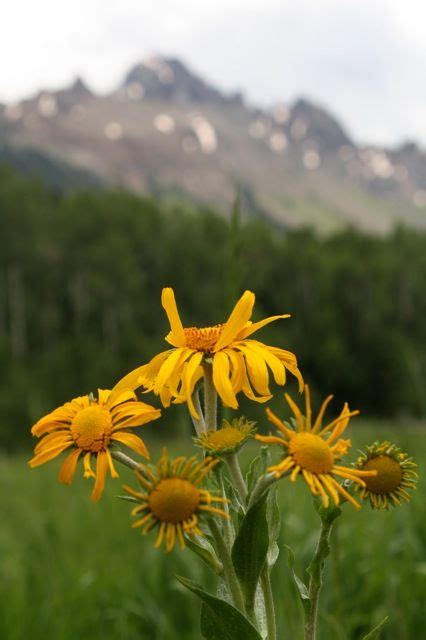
228 568
210 398
265 581
237 476
126 460
260 487
199 425
315 570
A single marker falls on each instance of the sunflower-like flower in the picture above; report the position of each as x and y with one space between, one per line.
312 451
89 426
171 499
238 364
229 439
396 475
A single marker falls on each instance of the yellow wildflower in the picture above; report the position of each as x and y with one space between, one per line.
229 439
89 427
171 499
396 475
312 451
238 364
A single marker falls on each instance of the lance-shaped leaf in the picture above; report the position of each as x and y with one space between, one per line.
374 633
204 550
219 619
250 549
301 587
273 517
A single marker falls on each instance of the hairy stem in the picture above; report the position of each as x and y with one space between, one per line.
315 570
237 476
260 487
126 460
199 425
210 398
265 581
228 568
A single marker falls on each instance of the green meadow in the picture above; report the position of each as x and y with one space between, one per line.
73 569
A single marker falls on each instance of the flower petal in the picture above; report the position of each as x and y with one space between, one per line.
237 320
176 336
255 326
133 441
69 466
101 471
222 381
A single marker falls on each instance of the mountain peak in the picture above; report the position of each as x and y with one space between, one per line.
320 123
169 79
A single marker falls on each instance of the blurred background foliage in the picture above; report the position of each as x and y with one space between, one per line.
81 277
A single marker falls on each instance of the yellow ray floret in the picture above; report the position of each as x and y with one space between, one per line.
238 364
88 426
396 475
171 499
313 451
229 439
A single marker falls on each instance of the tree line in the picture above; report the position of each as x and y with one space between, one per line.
81 276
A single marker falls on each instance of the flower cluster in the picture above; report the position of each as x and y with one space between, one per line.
176 496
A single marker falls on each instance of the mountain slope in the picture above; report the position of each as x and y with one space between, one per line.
167 131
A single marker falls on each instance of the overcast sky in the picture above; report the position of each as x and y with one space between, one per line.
363 59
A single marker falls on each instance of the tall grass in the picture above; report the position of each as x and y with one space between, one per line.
71 569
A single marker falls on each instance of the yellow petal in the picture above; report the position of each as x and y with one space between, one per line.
190 378
101 471
222 381
177 335
48 454
131 440
255 326
274 363
130 382
237 320
257 370
174 362
68 468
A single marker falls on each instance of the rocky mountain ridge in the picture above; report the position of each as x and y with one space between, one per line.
167 131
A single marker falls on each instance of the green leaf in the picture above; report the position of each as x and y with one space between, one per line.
250 549
374 633
219 619
204 550
301 587
273 517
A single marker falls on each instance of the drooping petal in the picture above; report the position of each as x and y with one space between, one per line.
133 441
176 336
173 362
237 320
101 471
69 466
48 454
257 370
222 381
274 363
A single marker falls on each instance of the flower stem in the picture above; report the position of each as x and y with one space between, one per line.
315 570
228 568
126 460
237 476
210 398
265 581
199 425
260 487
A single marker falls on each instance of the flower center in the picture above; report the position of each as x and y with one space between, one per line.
174 500
311 452
389 474
91 428
224 438
203 339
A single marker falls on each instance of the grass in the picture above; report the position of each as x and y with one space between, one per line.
71 569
